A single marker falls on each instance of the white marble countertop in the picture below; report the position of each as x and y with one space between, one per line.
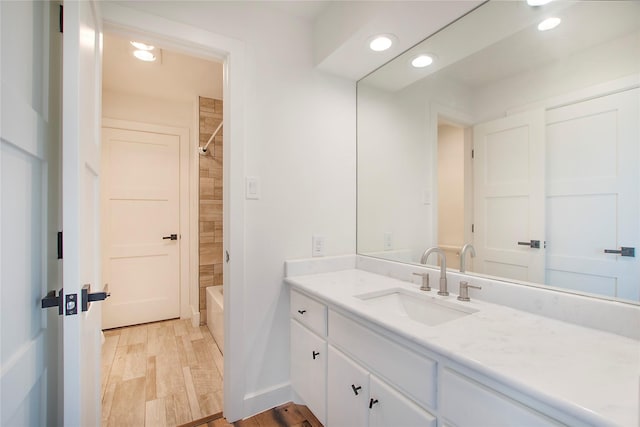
589 374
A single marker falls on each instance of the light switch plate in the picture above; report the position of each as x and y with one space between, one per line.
388 241
426 197
252 191
317 245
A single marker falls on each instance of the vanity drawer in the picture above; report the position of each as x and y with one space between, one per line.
309 312
409 372
465 402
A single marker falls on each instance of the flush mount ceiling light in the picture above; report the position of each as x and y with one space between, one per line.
144 55
141 46
549 24
381 42
537 2
422 61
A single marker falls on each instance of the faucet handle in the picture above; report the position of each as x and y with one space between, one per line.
425 281
464 291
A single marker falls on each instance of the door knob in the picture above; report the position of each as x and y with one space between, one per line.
170 237
88 298
51 300
531 243
623 251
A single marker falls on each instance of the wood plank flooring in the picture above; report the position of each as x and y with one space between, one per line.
287 415
160 374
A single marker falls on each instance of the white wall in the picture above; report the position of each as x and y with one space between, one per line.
393 174
396 166
299 139
140 108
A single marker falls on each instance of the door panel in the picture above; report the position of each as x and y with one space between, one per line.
28 354
141 176
509 196
82 55
390 408
592 199
347 391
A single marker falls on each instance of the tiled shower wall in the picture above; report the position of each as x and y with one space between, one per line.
210 111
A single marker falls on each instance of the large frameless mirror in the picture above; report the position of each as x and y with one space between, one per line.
520 136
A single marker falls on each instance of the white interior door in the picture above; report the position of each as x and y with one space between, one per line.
28 142
509 196
82 54
141 196
592 199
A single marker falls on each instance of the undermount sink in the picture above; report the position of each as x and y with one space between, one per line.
425 309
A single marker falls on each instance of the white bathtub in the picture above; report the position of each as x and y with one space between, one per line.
215 314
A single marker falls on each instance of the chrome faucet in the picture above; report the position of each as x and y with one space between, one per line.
443 268
463 252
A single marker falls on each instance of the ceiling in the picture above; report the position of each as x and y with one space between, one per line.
174 76
500 40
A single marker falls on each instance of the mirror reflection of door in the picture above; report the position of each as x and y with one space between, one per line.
509 196
592 195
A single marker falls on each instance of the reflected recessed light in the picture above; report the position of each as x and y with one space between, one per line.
422 61
144 55
549 24
381 43
537 2
141 46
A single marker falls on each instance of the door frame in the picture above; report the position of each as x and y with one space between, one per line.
202 43
184 199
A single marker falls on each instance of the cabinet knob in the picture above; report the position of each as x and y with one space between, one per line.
356 389
302 311
372 402
315 354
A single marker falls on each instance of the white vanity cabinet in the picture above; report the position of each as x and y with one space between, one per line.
358 398
354 372
348 386
484 406
308 350
390 408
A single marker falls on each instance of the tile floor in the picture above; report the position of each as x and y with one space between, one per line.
160 374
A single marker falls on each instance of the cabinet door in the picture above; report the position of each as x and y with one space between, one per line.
309 369
390 408
348 391
464 402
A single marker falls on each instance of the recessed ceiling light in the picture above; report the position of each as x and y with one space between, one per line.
141 46
549 24
537 2
144 55
381 43
422 61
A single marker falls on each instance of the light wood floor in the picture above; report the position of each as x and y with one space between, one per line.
160 374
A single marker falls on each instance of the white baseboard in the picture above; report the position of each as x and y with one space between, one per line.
263 400
195 317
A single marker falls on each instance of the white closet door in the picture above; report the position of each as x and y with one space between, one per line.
141 206
592 195
509 196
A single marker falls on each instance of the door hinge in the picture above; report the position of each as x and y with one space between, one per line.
473 154
59 244
61 19
473 228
